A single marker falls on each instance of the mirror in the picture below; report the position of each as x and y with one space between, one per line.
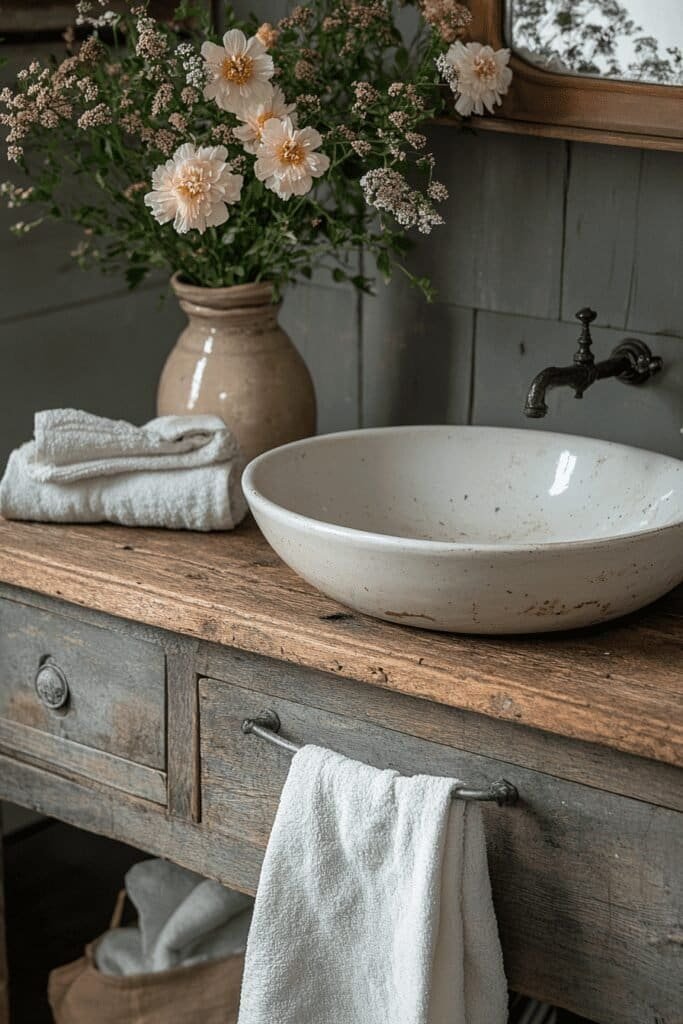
627 40
607 71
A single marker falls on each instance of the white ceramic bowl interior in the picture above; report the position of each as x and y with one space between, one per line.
474 528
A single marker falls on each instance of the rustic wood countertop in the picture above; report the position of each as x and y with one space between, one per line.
618 685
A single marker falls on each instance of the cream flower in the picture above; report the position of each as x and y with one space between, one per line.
193 188
267 35
482 76
238 72
285 159
255 118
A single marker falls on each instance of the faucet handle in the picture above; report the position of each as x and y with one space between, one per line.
640 364
586 316
583 355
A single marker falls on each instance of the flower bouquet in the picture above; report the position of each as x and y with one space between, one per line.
245 161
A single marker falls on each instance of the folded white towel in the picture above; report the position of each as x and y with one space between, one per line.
182 919
206 498
374 904
178 472
70 444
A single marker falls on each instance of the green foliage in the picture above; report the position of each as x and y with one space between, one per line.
88 134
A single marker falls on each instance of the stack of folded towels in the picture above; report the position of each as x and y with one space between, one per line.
183 919
179 472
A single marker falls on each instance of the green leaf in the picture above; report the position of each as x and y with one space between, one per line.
266 239
135 275
384 264
402 59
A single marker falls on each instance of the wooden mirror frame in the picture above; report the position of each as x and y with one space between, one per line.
604 110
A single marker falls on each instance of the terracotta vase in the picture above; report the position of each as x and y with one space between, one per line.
233 359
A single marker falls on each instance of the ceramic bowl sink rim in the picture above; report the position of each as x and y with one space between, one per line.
251 492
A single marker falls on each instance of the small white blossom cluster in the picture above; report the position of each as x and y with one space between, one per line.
366 95
14 195
95 117
194 67
448 17
151 43
46 99
438 191
386 189
162 98
87 15
23 227
88 89
447 72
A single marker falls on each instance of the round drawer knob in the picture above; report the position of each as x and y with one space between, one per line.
51 686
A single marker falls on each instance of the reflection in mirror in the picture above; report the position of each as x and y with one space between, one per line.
636 40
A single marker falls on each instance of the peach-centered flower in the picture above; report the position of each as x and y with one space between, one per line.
285 159
194 188
268 35
256 117
482 76
239 71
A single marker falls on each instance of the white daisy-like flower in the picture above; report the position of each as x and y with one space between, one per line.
249 134
194 188
482 76
238 72
285 159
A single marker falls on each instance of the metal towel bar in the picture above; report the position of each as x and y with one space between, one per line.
267 727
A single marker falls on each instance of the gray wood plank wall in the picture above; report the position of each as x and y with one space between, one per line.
535 229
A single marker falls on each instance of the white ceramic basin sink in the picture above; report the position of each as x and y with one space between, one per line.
474 529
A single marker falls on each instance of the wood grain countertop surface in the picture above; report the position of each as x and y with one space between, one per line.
618 684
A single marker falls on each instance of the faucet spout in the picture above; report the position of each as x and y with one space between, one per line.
577 377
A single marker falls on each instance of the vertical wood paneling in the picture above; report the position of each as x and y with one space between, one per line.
656 302
267 10
43 274
600 231
417 358
513 201
509 352
104 357
501 246
323 323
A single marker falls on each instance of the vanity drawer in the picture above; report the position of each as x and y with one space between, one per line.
83 698
586 883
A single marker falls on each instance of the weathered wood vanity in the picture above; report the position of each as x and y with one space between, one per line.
130 658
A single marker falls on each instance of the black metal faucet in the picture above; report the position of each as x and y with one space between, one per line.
631 362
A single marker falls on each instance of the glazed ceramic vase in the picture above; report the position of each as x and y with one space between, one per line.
234 360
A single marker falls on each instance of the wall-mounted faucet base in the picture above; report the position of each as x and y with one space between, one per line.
643 364
631 362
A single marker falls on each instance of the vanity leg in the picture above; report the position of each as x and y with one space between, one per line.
4 976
